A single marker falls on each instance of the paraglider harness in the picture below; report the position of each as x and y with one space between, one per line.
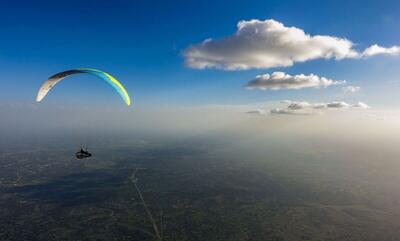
82 154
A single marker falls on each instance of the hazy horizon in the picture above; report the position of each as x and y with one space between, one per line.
257 120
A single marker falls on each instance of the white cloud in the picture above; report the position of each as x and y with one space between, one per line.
280 111
319 105
377 50
307 108
281 80
257 112
288 107
269 43
351 89
290 112
361 105
337 104
298 105
265 44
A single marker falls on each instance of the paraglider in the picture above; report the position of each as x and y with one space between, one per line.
53 80
83 154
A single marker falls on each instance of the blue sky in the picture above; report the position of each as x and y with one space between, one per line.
142 44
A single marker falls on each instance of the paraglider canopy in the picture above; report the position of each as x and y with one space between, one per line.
53 80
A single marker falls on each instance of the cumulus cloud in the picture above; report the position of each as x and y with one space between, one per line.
288 107
361 105
269 43
379 50
298 105
281 111
265 44
319 105
287 111
303 105
351 89
337 104
281 80
257 112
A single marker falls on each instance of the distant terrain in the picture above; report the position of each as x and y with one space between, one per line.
202 189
